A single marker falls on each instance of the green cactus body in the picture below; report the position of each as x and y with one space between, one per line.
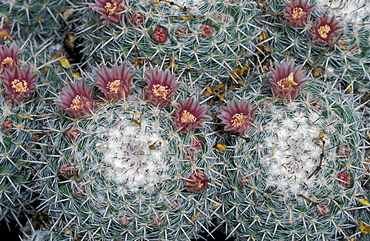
20 132
19 155
344 57
202 41
297 175
39 20
121 172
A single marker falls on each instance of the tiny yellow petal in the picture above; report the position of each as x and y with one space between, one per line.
195 218
263 36
216 205
67 13
221 147
364 202
65 63
55 56
290 79
364 228
76 74
186 17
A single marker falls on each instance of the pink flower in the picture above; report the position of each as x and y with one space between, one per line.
237 116
206 31
116 82
160 87
8 57
19 83
190 115
111 10
297 12
325 28
76 99
196 182
287 80
159 35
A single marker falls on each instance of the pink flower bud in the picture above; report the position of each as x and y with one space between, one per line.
124 219
66 169
137 19
196 182
80 190
244 180
343 151
344 179
175 203
180 32
159 35
322 209
7 127
72 134
206 31
156 220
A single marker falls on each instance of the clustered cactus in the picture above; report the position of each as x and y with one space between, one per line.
162 120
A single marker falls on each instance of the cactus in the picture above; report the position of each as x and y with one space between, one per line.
296 173
201 40
20 130
39 20
131 149
125 168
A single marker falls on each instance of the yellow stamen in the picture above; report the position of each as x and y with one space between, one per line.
238 120
77 103
298 12
19 85
160 90
324 30
110 7
288 82
200 185
114 86
187 117
7 60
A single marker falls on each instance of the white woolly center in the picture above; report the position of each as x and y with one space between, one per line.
294 150
134 156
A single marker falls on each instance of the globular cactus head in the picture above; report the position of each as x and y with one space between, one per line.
128 168
296 173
